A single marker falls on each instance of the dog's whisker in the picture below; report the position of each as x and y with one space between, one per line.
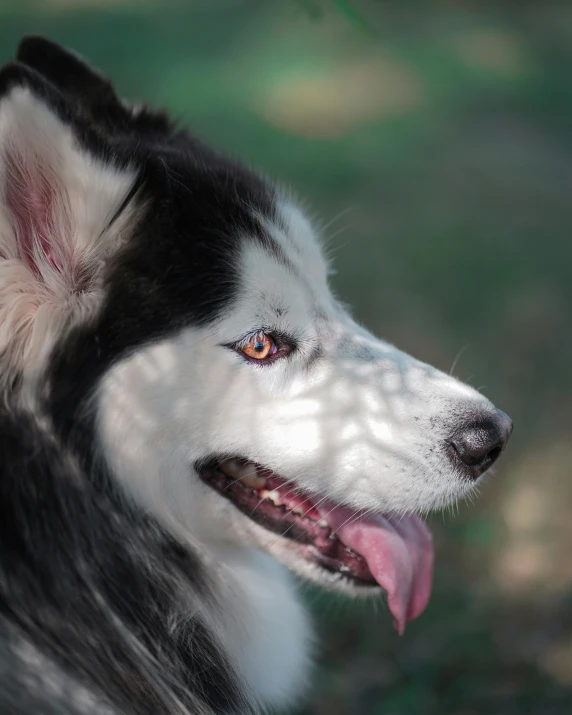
457 358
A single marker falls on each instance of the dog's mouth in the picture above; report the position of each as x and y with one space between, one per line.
373 550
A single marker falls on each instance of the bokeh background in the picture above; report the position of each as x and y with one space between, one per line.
434 142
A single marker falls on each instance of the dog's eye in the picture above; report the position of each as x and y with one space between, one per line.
259 347
263 347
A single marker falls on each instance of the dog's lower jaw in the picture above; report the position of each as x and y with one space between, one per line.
265 628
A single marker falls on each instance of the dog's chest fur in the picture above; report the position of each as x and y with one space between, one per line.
266 628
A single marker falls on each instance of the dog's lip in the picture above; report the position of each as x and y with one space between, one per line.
395 552
299 521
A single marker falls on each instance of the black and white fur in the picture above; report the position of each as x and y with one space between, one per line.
131 257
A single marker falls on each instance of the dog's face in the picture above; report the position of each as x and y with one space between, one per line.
235 397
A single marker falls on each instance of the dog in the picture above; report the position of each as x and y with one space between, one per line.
189 417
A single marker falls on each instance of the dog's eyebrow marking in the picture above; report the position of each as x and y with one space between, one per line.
263 233
272 246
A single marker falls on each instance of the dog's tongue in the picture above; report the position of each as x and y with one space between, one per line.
398 552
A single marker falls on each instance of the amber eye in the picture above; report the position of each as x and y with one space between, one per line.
259 346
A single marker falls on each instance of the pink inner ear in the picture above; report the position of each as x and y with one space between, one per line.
31 200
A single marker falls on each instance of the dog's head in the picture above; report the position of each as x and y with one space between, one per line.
185 304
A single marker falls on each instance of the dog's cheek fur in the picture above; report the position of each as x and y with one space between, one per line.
263 625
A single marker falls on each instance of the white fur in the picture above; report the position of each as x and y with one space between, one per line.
43 295
362 423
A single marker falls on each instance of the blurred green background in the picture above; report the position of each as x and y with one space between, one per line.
434 141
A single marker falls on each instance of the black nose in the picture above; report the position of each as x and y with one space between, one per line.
479 443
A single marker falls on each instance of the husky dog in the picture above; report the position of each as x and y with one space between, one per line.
188 415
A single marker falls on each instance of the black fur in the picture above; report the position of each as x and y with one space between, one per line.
95 596
98 589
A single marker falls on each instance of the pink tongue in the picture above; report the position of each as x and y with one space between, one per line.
398 552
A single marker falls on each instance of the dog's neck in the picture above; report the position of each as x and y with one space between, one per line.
265 627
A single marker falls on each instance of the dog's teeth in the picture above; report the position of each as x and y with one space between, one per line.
323 523
246 473
253 481
232 468
274 496
298 510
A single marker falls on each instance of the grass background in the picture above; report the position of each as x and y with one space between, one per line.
435 140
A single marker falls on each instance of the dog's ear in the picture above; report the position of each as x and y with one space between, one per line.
92 91
65 204
66 70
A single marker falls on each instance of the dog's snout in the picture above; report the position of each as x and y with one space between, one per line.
479 442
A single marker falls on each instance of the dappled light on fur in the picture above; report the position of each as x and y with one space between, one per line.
129 275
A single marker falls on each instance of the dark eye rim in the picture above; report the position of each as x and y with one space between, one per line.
285 346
